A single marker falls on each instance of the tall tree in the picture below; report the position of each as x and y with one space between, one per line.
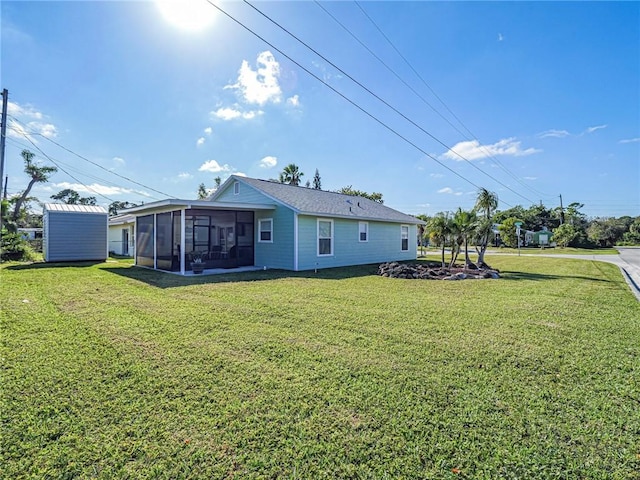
216 182
439 229
465 225
349 190
422 230
508 232
291 174
486 205
564 234
71 197
317 183
38 174
202 192
115 207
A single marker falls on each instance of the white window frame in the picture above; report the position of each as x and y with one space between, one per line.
402 237
318 237
366 232
236 188
260 230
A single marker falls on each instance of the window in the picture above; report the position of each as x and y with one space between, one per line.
265 230
236 188
404 235
363 228
325 237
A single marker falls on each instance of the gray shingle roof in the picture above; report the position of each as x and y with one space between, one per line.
319 202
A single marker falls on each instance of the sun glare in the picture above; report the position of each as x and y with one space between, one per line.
192 15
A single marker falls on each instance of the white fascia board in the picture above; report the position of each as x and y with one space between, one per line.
172 204
409 221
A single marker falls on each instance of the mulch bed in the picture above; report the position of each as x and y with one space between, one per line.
434 271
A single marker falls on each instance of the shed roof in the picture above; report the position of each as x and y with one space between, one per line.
320 202
64 207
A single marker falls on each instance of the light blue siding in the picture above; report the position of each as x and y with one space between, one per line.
74 236
246 194
384 244
278 253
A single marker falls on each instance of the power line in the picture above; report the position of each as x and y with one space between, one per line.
60 168
85 174
91 161
470 133
352 102
364 87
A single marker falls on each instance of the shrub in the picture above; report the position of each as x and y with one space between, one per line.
15 247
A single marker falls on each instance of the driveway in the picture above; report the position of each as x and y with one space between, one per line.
628 259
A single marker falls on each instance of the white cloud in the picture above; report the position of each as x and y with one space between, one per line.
554 133
268 162
228 113
500 37
208 130
326 75
214 167
97 189
259 86
32 118
530 178
200 141
593 129
27 111
118 160
436 175
449 191
472 150
630 140
185 176
294 101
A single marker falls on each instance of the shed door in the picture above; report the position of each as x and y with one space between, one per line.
125 241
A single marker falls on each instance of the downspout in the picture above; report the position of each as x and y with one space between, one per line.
295 241
183 229
107 217
155 252
135 240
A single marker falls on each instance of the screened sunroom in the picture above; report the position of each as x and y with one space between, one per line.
172 233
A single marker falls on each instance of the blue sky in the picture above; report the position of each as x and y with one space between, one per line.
529 100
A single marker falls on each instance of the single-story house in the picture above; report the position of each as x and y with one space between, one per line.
74 232
122 235
251 222
30 233
543 237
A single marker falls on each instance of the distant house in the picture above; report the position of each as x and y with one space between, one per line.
251 222
122 235
28 233
543 237
74 232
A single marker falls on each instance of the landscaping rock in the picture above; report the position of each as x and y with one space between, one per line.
432 271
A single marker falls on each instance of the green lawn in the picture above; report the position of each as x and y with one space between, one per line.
113 371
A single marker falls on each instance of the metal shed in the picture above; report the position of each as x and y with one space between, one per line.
74 232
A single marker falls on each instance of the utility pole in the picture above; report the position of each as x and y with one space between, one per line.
3 135
6 182
561 211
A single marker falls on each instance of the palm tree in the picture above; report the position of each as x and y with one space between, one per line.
291 174
486 204
422 232
37 174
439 228
465 224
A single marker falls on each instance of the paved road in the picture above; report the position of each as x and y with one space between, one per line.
628 259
